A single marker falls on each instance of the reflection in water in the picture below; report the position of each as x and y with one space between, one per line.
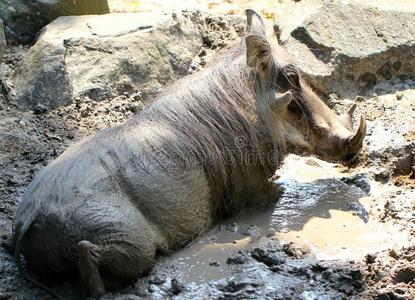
303 200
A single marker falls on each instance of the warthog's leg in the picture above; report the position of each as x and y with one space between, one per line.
111 265
88 268
117 244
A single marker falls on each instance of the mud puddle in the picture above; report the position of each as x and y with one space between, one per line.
324 208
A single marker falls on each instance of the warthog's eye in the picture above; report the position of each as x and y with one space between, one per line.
289 78
298 108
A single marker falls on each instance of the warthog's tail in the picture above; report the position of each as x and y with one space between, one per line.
17 252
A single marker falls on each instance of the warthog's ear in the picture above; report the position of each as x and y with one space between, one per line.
258 53
280 102
254 23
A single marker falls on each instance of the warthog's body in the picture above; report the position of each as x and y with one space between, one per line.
204 149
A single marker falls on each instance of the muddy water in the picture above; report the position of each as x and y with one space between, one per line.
323 208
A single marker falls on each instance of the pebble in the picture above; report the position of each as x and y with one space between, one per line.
136 107
156 280
399 95
393 254
359 98
214 263
232 227
40 109
251 230
237 260
370 258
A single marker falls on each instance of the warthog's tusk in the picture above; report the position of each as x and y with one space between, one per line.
351 110
357 140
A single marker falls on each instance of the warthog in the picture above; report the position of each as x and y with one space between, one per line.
204 149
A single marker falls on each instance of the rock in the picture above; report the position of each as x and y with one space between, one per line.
269 258
370 258
83 57
390 140
40 109
251 230
214 263
157 280
382 175
348 48
3 43
399 95
359 98
237 260
176 287
232 227
295 250
23 19
359 180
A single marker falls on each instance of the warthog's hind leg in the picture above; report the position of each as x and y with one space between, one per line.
88 268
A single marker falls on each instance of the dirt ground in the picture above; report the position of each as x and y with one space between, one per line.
337 232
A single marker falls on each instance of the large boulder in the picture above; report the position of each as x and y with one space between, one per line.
347 49
2 40
102 57
23 19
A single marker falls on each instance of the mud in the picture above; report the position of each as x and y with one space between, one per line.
336 233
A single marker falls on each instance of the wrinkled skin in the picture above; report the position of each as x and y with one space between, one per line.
104 208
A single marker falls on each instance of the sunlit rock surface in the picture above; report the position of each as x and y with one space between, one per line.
347 49
23 19
101 57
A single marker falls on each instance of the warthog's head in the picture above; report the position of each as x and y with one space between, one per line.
307 123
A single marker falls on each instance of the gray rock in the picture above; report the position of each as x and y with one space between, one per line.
2 40
390 140
23 19
84 57
348 48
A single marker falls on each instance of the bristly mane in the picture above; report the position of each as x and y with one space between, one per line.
218 119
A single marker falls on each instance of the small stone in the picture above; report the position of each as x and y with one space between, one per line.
102 110
382 175
176 287
393 254
232 227
359 180
136 107
359 98
12 180
202 53
40 109
214 263
85 111
251 230
157 280
267 257
295 250
399 95
237 260
370 258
